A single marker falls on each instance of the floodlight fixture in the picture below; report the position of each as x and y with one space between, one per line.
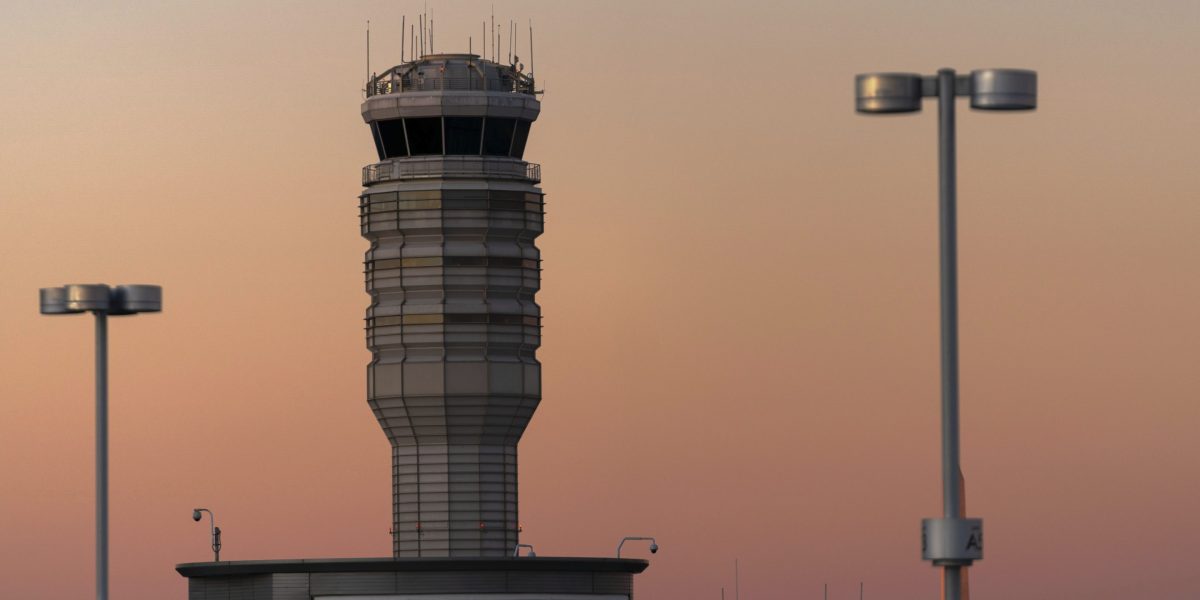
988 89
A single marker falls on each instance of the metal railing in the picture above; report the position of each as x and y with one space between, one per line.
396 84
451 167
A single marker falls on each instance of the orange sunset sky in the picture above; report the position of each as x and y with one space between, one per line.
740 291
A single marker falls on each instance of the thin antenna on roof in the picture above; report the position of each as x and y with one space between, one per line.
483 39
531 47
431 36
737 585
368 53
422 34
493 33
403 27
412 34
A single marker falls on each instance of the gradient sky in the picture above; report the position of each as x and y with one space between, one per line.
740 291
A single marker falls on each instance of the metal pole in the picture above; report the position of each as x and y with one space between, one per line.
101 455
737 583
947 199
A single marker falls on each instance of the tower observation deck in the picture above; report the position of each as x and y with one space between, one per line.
451 211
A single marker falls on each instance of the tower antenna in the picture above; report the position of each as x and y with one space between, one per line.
531 48
483 38
403 27
368 55
494 33
431 36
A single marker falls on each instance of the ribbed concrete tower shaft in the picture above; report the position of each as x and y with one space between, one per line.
452 212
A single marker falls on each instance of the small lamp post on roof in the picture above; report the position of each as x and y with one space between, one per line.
953 541
638 538
102 301
213 530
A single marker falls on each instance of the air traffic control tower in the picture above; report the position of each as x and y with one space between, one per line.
452 212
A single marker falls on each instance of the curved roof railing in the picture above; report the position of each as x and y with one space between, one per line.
465 74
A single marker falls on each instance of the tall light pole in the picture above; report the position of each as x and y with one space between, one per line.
953 541
102 301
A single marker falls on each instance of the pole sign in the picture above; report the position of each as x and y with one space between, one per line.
952 541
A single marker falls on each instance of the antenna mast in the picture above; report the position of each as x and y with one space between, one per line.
737 583
531 48
368 55
403 26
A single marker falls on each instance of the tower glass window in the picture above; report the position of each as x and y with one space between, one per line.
519 138
390 139
462 134
497 137
424 135
378 141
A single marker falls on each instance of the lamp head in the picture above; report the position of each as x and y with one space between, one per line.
653 547
879 93
196 515
74 298
132 299
53 301
1004 89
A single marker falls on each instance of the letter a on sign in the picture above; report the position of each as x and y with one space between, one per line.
975 541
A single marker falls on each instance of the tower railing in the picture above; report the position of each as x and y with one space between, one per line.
451 167
396 84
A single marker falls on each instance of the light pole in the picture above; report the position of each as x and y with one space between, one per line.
653 544
102 301
213 530
953 541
